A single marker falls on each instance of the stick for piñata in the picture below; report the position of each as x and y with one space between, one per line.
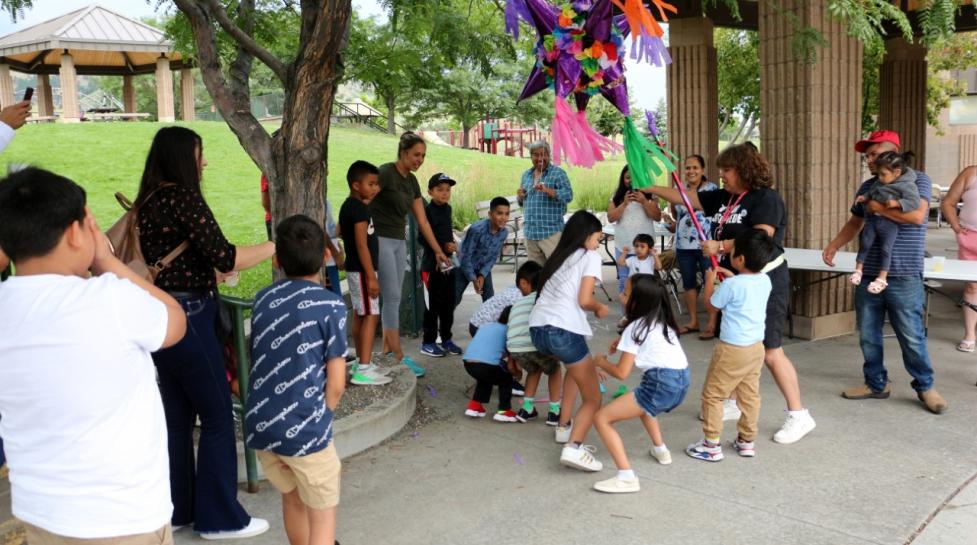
681 189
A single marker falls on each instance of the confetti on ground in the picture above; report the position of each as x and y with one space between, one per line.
414 435
517 458
432 391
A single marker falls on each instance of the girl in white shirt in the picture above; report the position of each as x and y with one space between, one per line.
650 343
558 326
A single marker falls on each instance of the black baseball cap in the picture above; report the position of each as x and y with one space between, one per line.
438 179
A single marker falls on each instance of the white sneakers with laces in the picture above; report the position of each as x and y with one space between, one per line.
255 527
581 458
797 425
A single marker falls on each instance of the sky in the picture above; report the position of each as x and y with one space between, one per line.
646 83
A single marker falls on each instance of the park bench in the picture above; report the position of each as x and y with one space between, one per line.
515 243
115 116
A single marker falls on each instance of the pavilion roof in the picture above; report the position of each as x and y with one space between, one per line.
101 42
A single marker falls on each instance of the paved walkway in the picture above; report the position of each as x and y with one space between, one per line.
873 472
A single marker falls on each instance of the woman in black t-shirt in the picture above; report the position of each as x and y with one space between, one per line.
747 201
192 379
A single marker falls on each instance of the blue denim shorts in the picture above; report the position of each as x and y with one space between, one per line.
568 347
662 389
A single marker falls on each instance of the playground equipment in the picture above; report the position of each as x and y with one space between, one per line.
515 139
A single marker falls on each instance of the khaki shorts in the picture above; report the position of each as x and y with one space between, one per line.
316 476
39 536
532 362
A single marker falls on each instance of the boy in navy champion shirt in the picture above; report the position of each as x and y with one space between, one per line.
298 375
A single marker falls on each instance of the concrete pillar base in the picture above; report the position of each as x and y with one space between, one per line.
823 327
70 111
902 95
164 91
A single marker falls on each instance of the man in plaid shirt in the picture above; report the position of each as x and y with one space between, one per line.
544 193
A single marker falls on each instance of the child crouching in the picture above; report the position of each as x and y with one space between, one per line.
650 343
486 361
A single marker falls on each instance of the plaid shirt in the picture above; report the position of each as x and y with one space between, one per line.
544 214
480 249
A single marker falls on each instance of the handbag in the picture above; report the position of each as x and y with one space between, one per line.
124 240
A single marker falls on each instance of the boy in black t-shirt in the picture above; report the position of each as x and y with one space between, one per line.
362 250
439 315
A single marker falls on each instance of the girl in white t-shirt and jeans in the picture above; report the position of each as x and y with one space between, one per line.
558 326
650 343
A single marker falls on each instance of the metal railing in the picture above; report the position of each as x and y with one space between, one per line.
238 306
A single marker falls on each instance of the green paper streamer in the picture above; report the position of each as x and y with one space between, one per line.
648 164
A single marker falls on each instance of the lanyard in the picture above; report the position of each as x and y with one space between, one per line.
730 205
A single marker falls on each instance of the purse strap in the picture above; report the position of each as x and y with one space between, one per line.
169 258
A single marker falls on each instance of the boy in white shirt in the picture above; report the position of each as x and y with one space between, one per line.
82 417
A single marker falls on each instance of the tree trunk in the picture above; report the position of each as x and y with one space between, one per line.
742 126
465 139
754 119
391 101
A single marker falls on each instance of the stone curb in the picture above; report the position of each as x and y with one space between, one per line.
359 432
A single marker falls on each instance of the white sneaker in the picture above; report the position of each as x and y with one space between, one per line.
375 369
255 527
617 486
562 434
369 378
731 410
795 428
663 458
581 458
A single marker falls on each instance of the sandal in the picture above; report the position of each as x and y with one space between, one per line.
686 329
877 286
856 277
707 335
966 346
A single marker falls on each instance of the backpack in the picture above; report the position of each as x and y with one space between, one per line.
124 239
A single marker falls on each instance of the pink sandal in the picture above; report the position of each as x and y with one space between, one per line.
856 277
966 346
877 286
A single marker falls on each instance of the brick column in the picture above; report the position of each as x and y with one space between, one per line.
164 90
902 95
70 113
128 95
6 86
45 100
693 91
186 95
811 120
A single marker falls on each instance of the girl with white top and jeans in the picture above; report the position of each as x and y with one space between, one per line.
558 327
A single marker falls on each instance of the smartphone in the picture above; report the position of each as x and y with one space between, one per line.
28 93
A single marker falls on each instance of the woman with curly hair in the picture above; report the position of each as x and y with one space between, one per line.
747 201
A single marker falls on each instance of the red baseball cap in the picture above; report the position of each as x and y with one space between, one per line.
877 137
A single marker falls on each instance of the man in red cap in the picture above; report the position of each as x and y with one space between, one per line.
903 299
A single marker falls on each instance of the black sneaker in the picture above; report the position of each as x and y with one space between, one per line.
518 390
552 419
524 416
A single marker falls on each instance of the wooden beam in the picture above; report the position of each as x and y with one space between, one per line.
128 61
38 59
720 15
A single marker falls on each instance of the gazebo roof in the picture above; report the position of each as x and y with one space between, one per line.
101 42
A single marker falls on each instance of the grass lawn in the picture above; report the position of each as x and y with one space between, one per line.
109 157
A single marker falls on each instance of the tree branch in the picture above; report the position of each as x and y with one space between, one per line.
253 137
240 69
215 10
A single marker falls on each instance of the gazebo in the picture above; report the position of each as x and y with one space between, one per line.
99 42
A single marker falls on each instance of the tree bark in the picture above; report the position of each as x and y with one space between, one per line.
391 101
465 140
742 126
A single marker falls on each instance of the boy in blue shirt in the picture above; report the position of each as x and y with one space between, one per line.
480 250
487 361
738 357
298 375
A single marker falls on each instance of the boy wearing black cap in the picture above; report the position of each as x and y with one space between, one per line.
439 315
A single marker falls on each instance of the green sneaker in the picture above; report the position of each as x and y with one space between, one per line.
412 365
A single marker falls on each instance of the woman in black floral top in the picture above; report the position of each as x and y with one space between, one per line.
192 379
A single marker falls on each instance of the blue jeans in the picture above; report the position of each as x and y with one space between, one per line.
690 263
461 284
567 346
622 272
192 381
332 272
903 300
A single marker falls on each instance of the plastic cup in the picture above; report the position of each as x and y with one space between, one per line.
938 263
232 279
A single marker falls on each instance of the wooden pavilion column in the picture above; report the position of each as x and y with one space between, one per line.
70 113
6 86
128 95
45 99
164 90
902 95
812 117
186 95
693 91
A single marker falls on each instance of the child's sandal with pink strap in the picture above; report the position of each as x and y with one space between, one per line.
877 286
966 346
856 277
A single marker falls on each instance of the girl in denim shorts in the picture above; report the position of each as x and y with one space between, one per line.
650 343
558 327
